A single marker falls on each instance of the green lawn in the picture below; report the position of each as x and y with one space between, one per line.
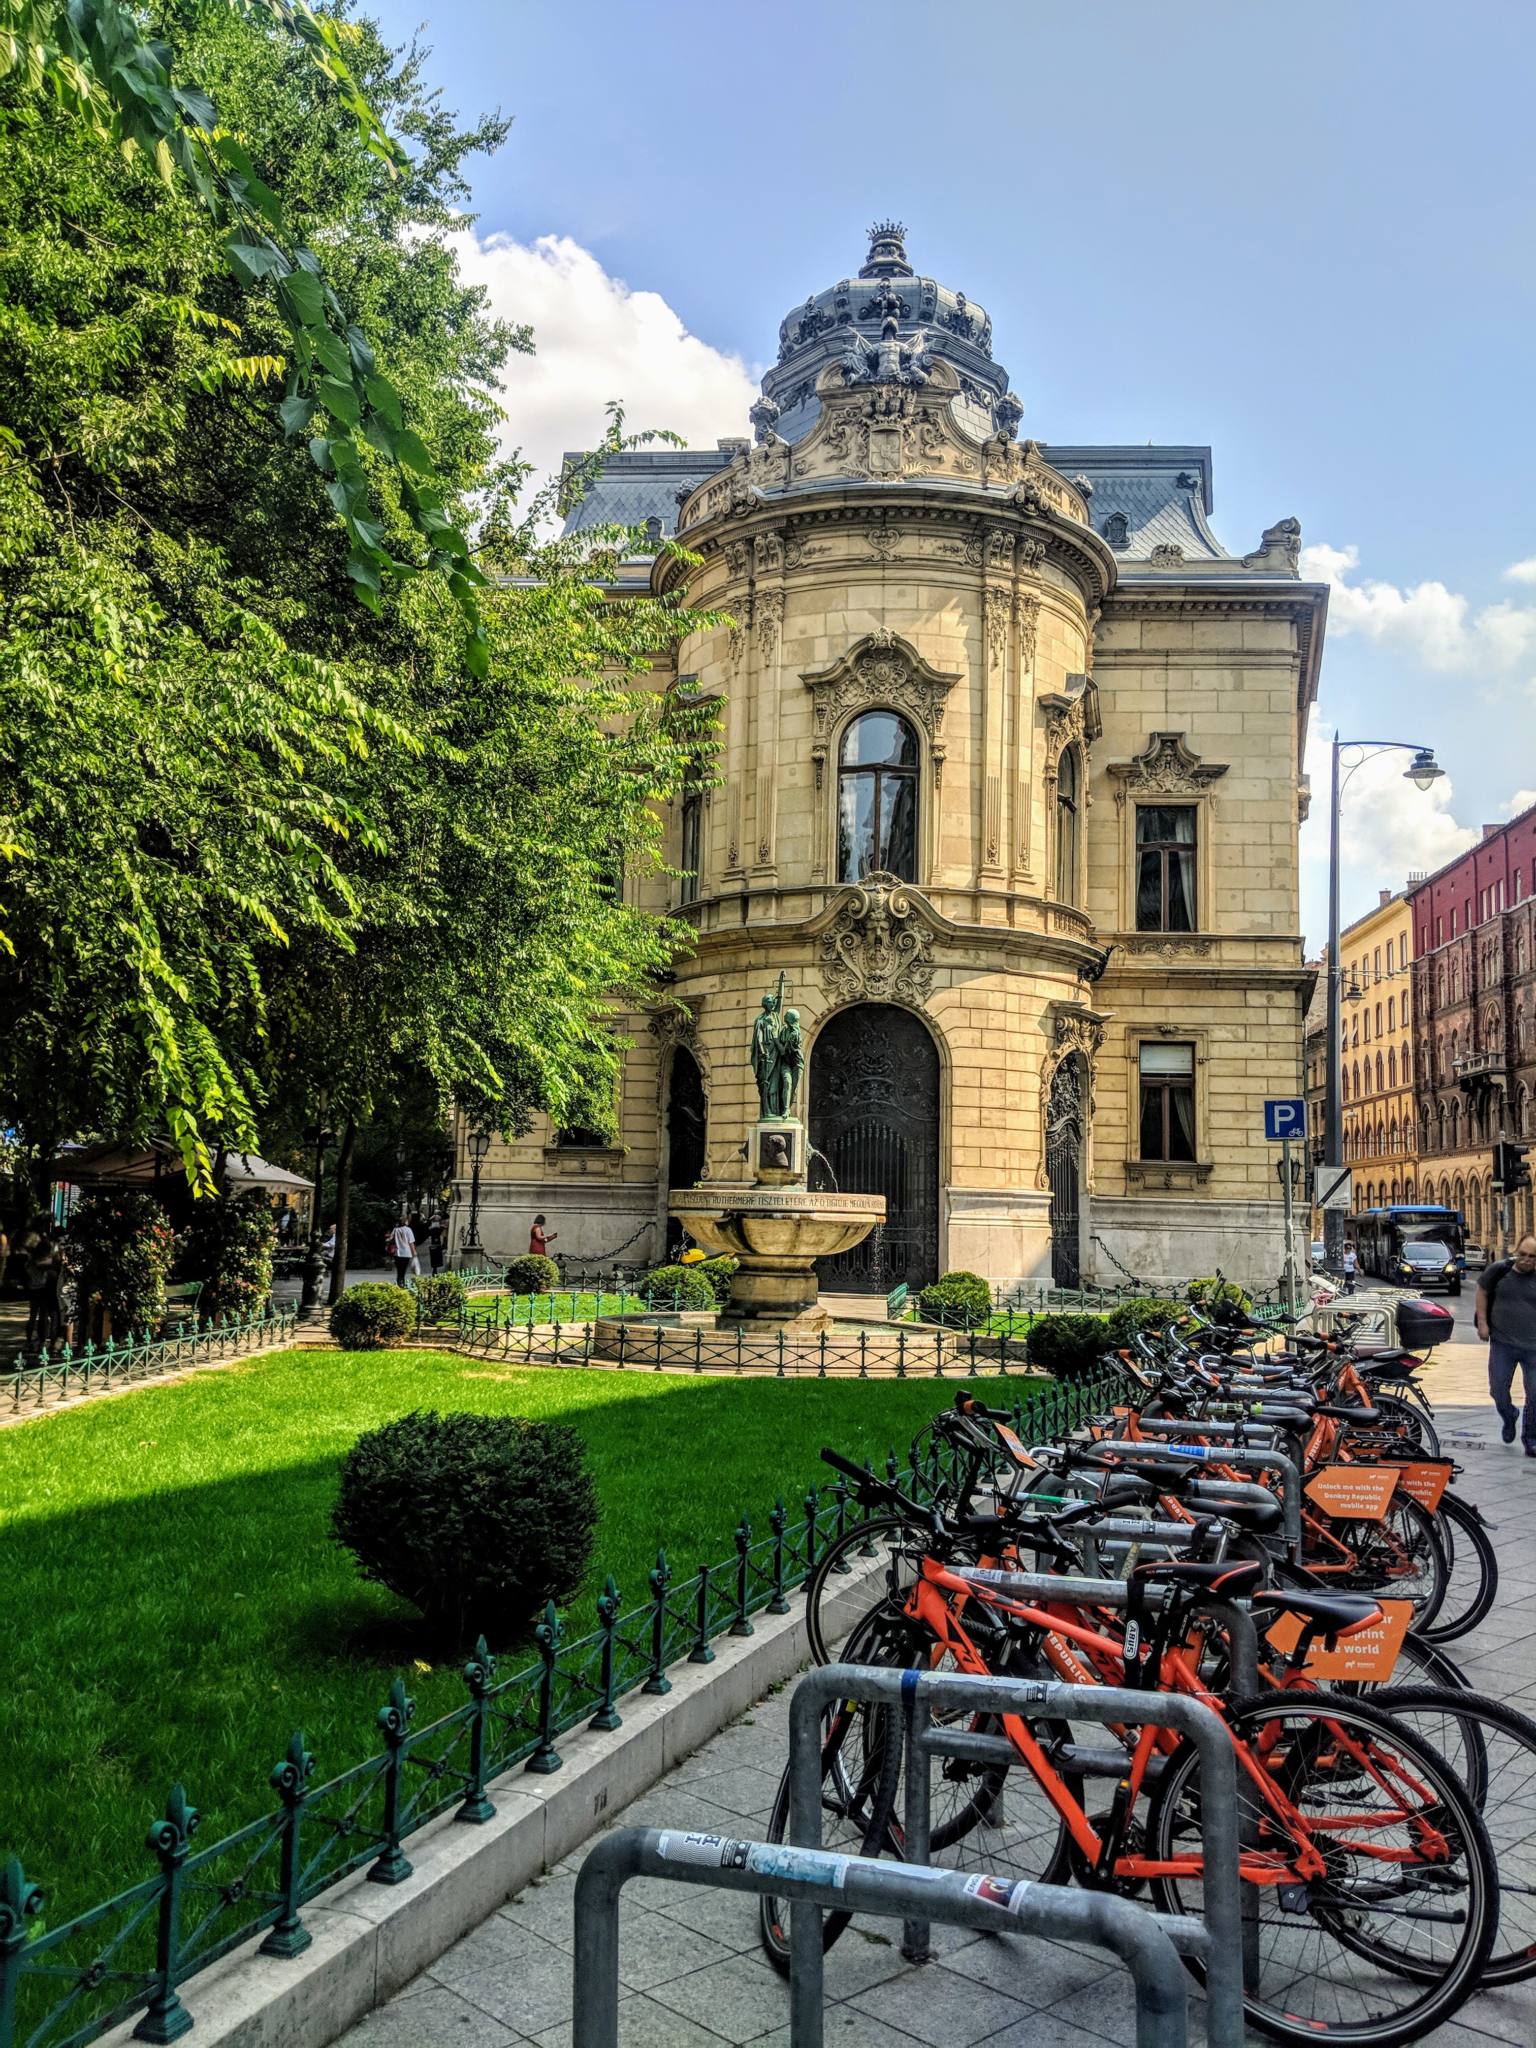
560 1307
171 1606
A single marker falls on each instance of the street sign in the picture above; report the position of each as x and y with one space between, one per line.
1285 1116
1335 1188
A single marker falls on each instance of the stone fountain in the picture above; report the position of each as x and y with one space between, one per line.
773 1224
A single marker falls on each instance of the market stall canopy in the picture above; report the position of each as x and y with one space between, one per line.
111 1165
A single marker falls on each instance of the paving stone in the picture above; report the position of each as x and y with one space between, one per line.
738 1999
954 2009
1038 1973
654 1949
642 2024
430 2014
845 2026
510 1973
547 1909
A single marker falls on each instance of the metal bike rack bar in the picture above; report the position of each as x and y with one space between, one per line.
1224 1454
1219 1939
817 1878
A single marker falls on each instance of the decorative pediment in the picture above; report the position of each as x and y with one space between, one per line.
884 669
887 425
1165 767
1070 715
879 945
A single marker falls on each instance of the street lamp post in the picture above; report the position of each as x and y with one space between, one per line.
479 1145
313 1264
1421 772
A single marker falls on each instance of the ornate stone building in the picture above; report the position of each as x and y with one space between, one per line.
1009 787
1474 976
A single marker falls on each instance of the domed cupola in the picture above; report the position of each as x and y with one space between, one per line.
887 291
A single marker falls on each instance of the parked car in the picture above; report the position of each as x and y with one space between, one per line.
1425 1263
1476 1257
1319 1255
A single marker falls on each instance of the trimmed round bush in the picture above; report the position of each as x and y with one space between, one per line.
720 1273
684 1286
370 1314
958 1299
1068 1346
1132 1317
1213 1294
477 1520
440 1298
531 1274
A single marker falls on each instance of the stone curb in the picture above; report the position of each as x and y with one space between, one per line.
370 1940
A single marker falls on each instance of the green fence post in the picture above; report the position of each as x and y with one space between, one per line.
657 1680
19 1902
777 1521
479 1676
867 1547
901 1354
740 1625
840 1495
546 1758
607 1715
394 1721
812 1507
170 1839
701 1653
290 1781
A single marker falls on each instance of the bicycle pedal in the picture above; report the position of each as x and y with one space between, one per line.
1294 1898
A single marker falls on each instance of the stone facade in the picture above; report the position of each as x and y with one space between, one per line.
1066 662
1377 1103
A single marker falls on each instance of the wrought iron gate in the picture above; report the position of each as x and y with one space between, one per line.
1064 1171
875 1116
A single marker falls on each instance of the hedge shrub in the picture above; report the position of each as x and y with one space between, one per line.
687 1286
477 1520
229 1248
958 1299
120 1249
370 1314
719 1273
440 1298
1131 1317
531 1274
1069 1346
1212 1292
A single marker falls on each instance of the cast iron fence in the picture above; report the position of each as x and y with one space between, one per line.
63 1985
62 1372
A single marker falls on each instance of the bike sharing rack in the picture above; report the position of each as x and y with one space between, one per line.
1222 1939
1245 1457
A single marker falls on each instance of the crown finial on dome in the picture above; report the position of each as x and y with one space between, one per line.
887 251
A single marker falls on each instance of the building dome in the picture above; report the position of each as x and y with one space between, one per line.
887 289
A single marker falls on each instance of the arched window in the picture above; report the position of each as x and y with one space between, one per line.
1440 1127
1455 1125
1396 1194
1344 1083
1378 1020
877 798
1407 1067
1522 1113
1519 1033
1380 1084
1392 1138
1391 1066
1357 1079
1068 802
1391 1013
1367 1027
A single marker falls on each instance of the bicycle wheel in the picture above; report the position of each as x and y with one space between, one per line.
860 1770
845 1555
1473 1566
1492 1749
1392 1937
1400 1557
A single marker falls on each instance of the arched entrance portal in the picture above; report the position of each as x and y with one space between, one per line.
875 1116
1065 1121
687 1129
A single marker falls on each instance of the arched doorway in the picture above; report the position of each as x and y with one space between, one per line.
687 1130
1065 1122
875 1118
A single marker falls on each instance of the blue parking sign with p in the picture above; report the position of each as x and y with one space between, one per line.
1285 1116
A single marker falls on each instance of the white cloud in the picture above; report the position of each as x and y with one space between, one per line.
1522 572
1389 830
1520 801
596 340
1438 626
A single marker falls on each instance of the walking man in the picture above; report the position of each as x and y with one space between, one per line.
1506 1322
402 1248
1351 1263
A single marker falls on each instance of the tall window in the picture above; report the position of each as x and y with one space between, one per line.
692 858
1168 1102
1165 868
877 798
1067 801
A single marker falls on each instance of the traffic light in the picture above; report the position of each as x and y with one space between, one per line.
1510 1171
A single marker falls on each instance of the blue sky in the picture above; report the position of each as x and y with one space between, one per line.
1301 235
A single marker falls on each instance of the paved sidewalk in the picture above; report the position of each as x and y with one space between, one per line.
693 1975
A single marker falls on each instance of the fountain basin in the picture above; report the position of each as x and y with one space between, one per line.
777 1234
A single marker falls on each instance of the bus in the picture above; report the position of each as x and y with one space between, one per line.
1380 1235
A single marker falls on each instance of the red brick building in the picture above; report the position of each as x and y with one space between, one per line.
1474 1010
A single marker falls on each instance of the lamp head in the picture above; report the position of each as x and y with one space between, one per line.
1423 769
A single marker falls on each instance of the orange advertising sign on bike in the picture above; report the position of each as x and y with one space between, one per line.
1354 1493
1426 1480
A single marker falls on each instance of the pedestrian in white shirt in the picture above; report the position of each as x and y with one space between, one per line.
401 1245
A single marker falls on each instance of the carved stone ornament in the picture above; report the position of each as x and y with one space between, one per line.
881 669
769 554
675 1026
768 617
998 604
1279 549
1165 947
1026 616
1166 555
878 948
892 426
1071 715
1073 1032
1165 767
797 550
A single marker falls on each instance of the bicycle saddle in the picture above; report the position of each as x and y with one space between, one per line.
1257 1515
1333 1612
1345 1411
1230 1578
